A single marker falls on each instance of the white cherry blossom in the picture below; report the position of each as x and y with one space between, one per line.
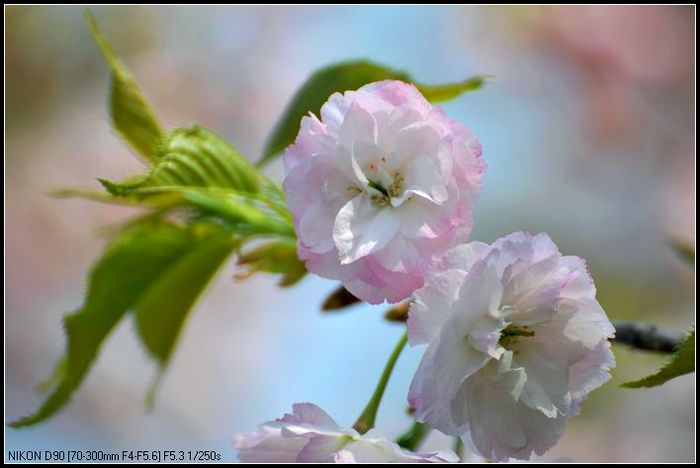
516 340
310 435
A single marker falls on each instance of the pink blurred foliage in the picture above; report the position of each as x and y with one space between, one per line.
626 55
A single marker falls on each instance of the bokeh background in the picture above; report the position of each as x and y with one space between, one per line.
587 130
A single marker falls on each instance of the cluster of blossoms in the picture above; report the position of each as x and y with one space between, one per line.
382 189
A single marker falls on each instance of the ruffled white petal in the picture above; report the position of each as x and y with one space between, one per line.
361 229
309 435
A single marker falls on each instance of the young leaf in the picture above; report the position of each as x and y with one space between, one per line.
342 77
247 215
126 270
132 117
162 310
194 157
273 257
441 93
682 362
198 157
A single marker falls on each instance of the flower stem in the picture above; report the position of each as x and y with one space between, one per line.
366 420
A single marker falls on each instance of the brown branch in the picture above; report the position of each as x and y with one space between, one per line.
647 336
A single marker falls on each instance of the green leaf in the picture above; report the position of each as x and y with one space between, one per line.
123 188
200 169
441 93
279 257
248 216
161 311
131 115
128 267
682 362
320 85
198 157
684 250
342 77
194 157
143 270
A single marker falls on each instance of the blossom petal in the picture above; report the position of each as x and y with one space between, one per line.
359 125
306 417
322 448
547 385
502 428
592 371
479 301
362 228
432 306
438 380
267 445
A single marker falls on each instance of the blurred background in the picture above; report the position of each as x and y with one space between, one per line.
588 131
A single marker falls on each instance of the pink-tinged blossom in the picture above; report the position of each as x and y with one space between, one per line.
378 186
310 435
516 340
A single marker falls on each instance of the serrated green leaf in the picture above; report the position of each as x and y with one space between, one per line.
198 157
128 267
682 362
279 257
202 170
131 115
342 77
194 157
162 310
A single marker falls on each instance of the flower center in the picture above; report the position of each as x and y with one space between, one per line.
387 185
377 186
383 186
511 334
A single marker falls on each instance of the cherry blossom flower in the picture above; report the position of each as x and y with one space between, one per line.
516 340
310 435
378 186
